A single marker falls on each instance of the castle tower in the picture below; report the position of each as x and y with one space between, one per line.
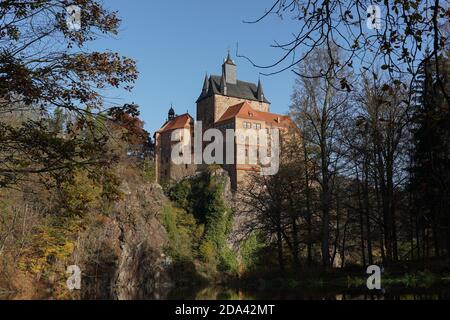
166 170
229 70
171 114
219 92
224 103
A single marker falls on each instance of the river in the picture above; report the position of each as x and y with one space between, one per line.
224 293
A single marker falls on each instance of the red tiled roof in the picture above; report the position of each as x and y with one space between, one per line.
244 110
178 122
232 112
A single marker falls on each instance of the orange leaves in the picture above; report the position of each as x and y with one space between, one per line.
103 68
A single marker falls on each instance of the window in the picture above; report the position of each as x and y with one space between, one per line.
257 126
247 125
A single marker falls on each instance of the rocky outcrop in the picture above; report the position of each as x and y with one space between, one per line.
123 255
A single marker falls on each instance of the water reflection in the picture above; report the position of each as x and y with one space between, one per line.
223 293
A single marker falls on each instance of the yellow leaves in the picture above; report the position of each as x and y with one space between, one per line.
207 251
81 195
46 254
51 247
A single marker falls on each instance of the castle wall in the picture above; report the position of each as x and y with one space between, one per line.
205 112
165 168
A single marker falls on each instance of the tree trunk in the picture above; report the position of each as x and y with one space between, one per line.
368 212
380 219
344 238
325 199
280 248
308 208
361 219
325 228
295 242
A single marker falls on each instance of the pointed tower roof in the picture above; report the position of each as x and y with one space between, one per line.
228 60
259 91
171 113
205 84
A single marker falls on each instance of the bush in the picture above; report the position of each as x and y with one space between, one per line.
181 229
201 198
250 249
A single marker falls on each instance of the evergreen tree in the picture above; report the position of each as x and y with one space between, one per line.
430 182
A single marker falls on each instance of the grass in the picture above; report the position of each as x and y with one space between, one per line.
339 281
421 279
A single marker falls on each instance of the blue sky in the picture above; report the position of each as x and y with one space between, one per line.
176 42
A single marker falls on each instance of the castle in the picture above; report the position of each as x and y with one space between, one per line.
224 103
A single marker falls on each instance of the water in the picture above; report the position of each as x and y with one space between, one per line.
224 293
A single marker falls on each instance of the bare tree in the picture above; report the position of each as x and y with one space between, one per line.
320 109
396 41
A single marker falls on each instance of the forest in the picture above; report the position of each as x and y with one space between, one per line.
364 179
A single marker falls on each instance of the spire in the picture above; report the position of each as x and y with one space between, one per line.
171 113
229 60
205 85
259 91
